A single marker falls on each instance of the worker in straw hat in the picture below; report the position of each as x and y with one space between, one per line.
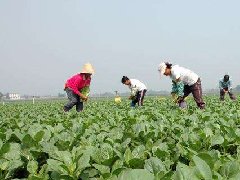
191 81
77 88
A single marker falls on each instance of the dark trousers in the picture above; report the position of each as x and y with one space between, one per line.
222 94
139 98
74 100
196 90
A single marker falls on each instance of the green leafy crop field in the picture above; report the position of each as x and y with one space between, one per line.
113 141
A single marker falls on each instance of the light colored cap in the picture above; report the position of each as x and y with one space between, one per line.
87 69
162 67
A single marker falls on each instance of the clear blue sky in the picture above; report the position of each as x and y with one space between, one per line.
43 42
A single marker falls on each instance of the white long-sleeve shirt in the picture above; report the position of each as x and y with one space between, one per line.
187 76
136 86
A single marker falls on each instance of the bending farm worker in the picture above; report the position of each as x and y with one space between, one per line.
138 90
191 81
77 88
225 86
177 93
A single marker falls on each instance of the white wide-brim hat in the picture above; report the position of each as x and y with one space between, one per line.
87 69
162 67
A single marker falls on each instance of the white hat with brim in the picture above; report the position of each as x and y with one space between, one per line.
161 68
87 69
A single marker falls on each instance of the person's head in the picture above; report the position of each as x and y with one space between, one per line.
87 76
226 78
165 68
126 80
87 70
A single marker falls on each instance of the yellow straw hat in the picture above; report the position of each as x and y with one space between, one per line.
88 69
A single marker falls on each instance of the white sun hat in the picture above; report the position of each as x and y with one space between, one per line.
162 67
88 69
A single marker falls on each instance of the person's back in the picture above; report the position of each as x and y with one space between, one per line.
135 83
187 76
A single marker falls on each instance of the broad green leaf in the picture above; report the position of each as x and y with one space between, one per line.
83 163
39 136
230 169
138 152
208 132
4 165
154 165
135 174
128 155
103 169
13 165
4 149
117 165
207 158
203 168
91 172
126 142
235 177
54 165
217 139
184 172
28 141
32 167
65 157
137 163
14 152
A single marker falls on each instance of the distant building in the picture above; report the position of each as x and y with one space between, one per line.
13 96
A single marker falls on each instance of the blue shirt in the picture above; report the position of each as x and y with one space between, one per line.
223 84
178 88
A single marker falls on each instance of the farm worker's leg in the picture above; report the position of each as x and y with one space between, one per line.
182 104
73 99
141 97
79 105
135 101
186 91
197 94
222 94
231 95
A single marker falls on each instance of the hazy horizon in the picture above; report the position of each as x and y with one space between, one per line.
43 43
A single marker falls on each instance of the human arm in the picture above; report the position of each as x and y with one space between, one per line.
85 92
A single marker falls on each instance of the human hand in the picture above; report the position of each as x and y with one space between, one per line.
130 97
173 95
83 97
180 99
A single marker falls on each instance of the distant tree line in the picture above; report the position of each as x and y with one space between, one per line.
1 95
